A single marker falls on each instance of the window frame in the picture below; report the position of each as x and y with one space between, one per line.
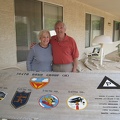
92 25
32 17
116 31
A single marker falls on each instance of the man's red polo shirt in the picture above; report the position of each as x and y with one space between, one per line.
65 51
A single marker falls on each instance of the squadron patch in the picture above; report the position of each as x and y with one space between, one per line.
108 83
48 101
77 102
2 95
20 98
38 83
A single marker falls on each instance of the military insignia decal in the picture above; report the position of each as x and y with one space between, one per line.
77 102
108 83
2 95
38 83
48 101
20 99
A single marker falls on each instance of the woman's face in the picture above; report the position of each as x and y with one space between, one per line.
45 38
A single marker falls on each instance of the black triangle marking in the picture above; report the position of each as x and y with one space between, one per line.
107 83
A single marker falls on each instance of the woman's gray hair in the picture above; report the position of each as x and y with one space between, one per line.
41 33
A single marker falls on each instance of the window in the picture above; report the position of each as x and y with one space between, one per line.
116 31
31 16
94 26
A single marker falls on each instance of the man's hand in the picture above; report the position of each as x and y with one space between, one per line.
32 44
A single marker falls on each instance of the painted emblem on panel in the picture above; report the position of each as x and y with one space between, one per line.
38 83
2 95
77 102
48 101
20 98
108 83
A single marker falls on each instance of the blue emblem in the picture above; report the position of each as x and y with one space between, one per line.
48 101
2 95
20 99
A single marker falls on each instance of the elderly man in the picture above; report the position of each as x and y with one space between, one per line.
64 49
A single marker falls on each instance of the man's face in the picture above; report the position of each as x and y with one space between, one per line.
60 29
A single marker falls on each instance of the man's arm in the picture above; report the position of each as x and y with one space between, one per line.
75 65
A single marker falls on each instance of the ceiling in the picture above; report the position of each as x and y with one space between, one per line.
110 6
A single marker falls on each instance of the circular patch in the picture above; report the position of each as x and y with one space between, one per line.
77 102
48 101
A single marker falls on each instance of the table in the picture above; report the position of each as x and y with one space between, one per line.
59 96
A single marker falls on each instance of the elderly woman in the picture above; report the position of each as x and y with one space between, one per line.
40 55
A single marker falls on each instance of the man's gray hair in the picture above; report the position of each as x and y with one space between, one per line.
60 22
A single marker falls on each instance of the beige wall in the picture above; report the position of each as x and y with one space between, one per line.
74 17
7 34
